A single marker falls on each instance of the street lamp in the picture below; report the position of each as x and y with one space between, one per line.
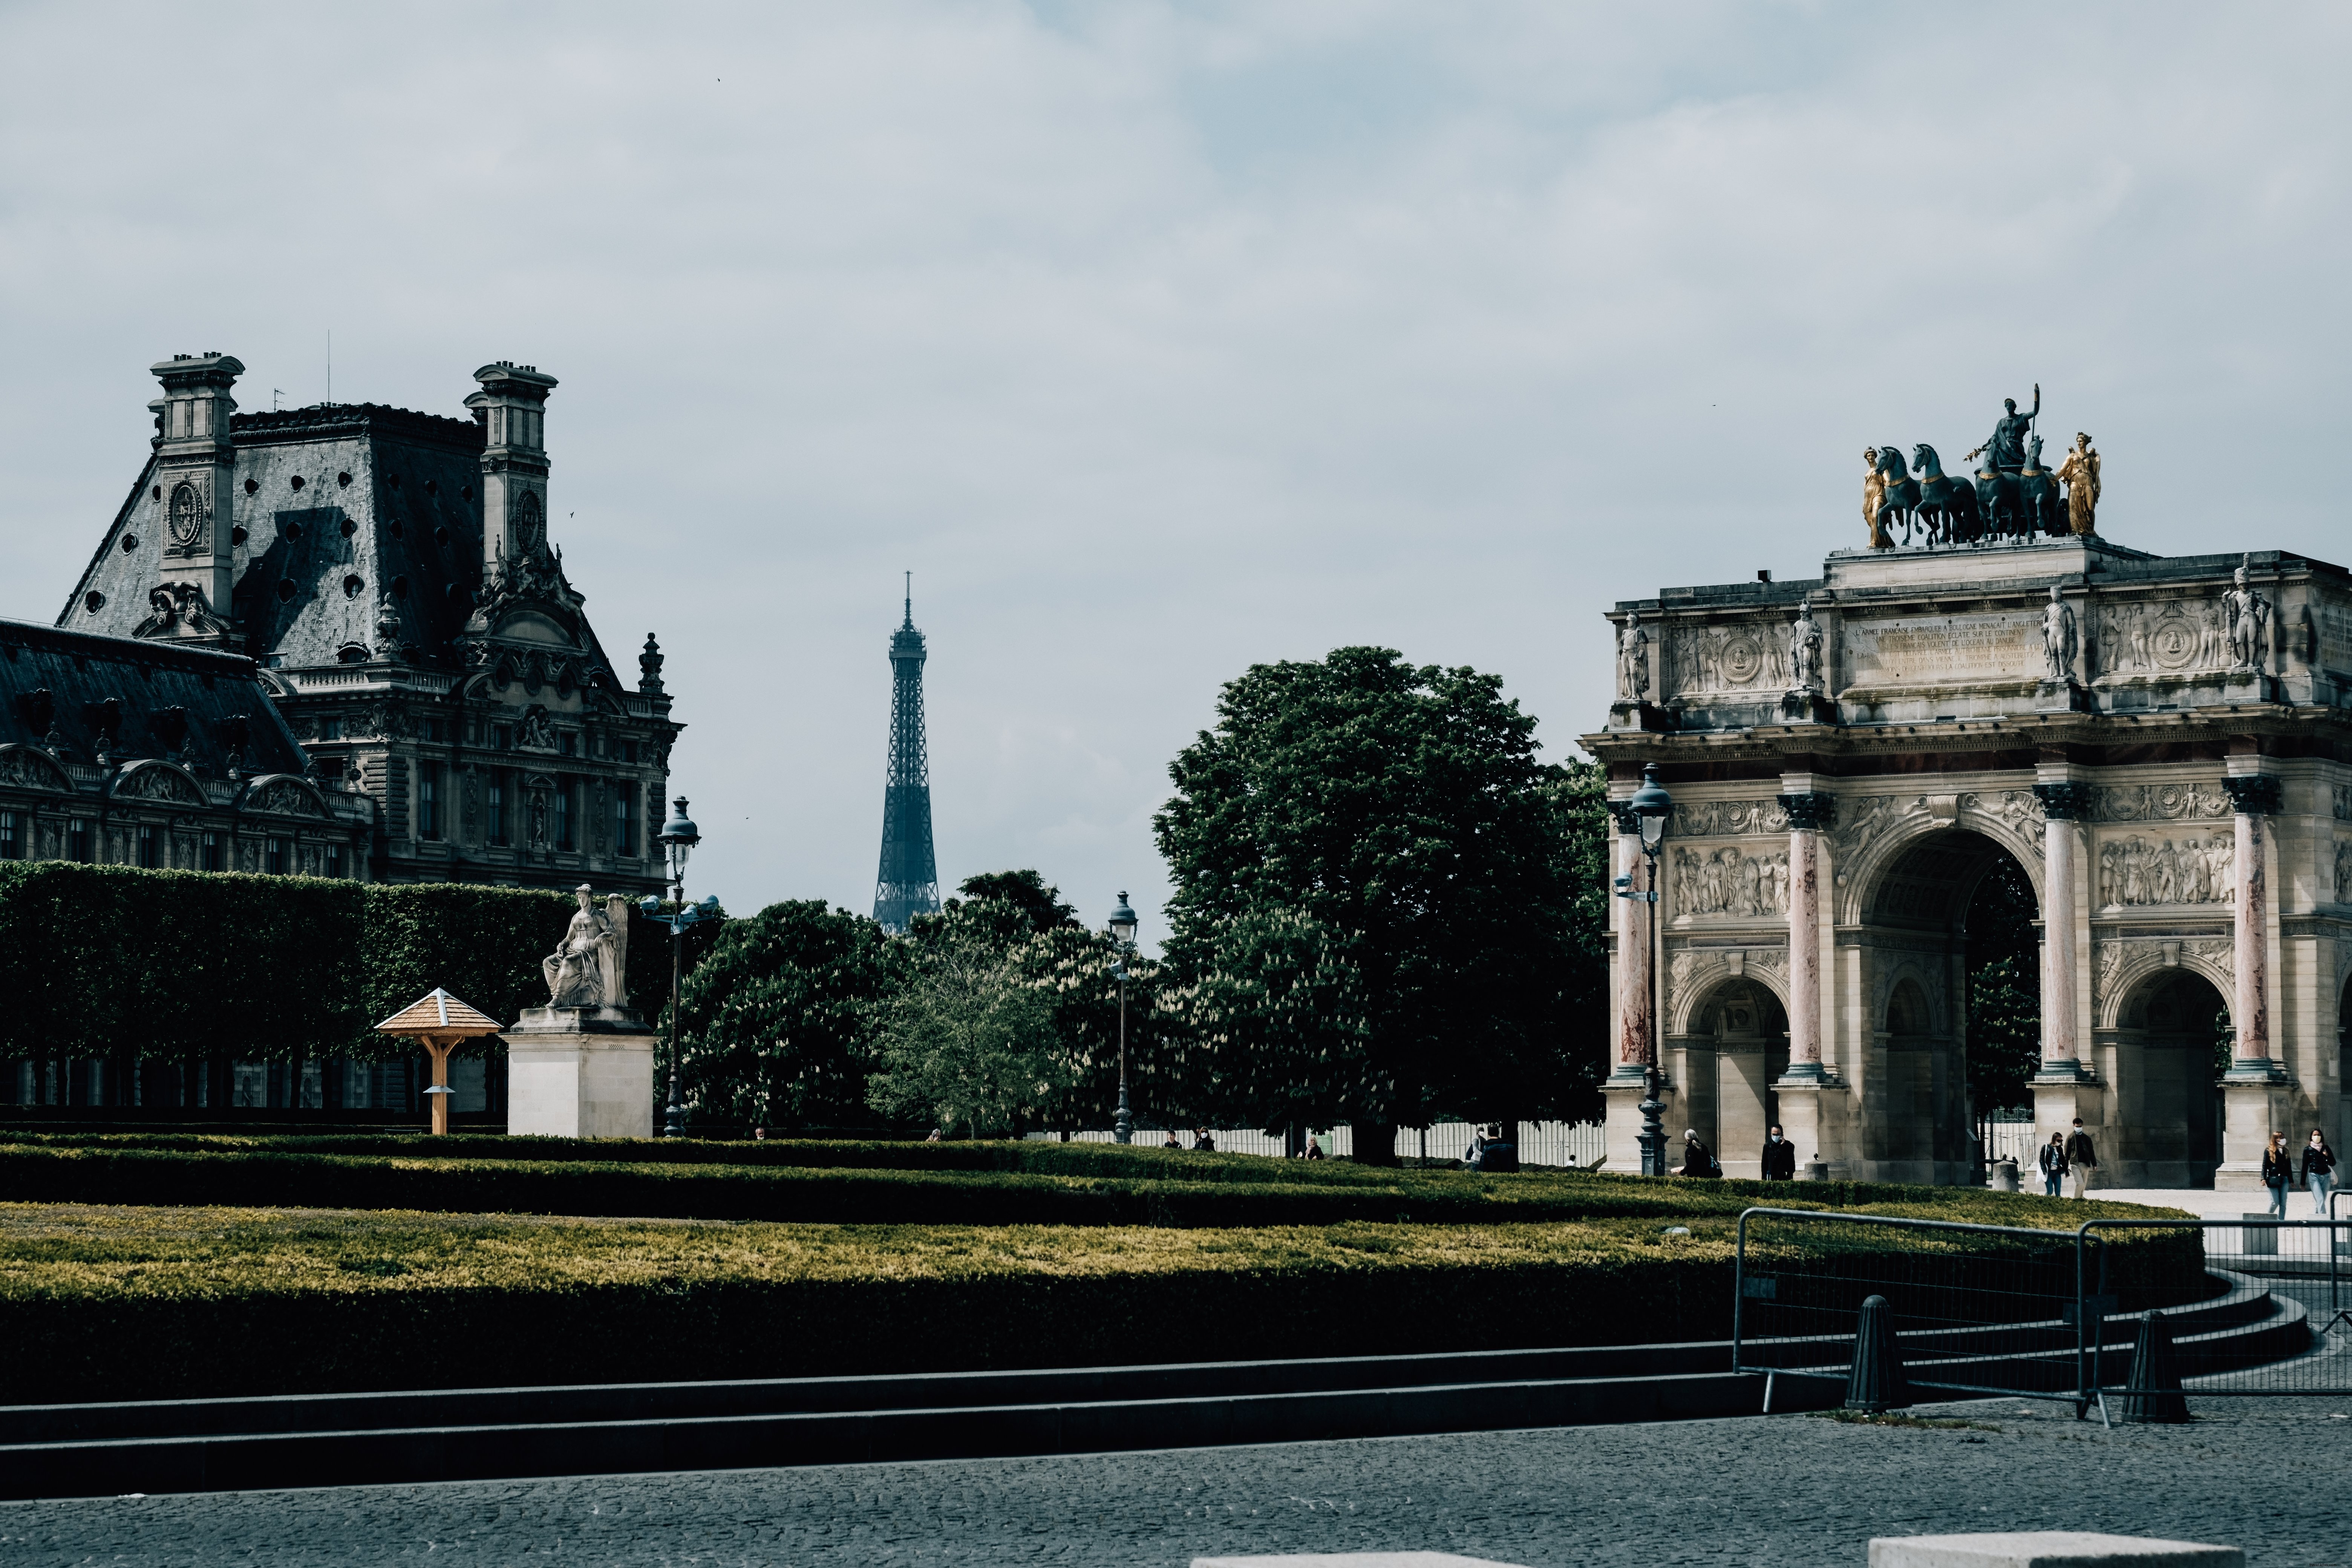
1652 807
1121 926
677 838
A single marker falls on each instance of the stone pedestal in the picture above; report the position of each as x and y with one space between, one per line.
579 1072
2066 696
2251 1107
1640 716
1807 707
1622 1133
1812 1116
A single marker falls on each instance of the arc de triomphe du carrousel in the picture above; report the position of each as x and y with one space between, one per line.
2162 744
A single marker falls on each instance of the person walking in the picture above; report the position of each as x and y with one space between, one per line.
2053 1164
2318 1172
2278 1173
1697 1160
2082 1159
1779 1156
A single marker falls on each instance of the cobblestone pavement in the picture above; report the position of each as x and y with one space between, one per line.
2271 1476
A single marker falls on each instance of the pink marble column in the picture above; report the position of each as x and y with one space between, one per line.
1808 814
2250 1009
2060 1047
1637 1035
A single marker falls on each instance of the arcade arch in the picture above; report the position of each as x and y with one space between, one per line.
2165 1054
1733 1046
1909 948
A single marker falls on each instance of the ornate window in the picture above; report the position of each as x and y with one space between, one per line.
9 848
498 805
428 799
624 833
151 846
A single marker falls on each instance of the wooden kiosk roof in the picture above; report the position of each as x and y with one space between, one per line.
439 1013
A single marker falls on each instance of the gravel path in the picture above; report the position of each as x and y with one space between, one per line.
2273 1477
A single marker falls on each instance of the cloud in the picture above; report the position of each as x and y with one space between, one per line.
1160 341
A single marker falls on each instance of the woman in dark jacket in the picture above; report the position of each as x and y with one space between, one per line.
2319 1171
2278 1173
2053 1164
1696 1160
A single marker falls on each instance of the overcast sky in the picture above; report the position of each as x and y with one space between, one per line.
1160 341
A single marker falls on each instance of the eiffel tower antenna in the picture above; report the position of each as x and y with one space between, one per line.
909 881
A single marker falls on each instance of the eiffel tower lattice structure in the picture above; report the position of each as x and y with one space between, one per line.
908 882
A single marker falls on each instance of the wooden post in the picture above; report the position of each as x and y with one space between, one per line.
441 1046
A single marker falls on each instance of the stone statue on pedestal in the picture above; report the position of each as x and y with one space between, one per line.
2058 637
589 967
1633 660
1805 650
2249 616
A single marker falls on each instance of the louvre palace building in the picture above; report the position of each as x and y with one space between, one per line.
337 641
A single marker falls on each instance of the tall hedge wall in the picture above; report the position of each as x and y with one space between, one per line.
98 960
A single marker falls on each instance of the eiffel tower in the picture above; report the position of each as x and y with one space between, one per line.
908 883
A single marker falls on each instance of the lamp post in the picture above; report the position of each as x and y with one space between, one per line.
1652 807
677 838
1121 926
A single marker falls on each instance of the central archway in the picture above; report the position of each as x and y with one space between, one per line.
1912 938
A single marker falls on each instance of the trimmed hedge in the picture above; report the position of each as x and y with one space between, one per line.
171 963
143 1303
1038 1183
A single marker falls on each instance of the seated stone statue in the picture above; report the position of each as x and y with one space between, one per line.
585 969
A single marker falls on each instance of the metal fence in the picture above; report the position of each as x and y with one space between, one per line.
1555 1144
2147 1312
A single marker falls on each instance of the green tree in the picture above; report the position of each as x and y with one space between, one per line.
967 1039
778 1018
1375 896
1026 891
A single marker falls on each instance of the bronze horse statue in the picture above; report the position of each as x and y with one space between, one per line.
1901 503
2044 508
1946 505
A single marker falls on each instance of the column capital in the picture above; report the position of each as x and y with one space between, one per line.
1811 811
2254 794
2064 802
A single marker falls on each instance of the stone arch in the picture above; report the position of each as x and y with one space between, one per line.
1861 858
1908 1012
151 778
1699 974
2165 1128
2124 966
1730 1048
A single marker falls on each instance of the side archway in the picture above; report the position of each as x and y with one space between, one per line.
2170 1031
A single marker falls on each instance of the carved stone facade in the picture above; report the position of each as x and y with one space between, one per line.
394 575
2187 718
125 752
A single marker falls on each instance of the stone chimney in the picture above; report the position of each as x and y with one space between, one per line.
193 498
512 409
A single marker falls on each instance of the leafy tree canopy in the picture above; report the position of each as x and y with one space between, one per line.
968 1039
2004 956
1028 892
1376 899
778 1020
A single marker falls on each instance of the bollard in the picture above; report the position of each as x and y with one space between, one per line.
2154 1395
1876 1385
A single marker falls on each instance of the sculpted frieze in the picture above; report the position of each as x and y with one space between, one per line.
1728 818
2120 963
1724 881
2194 869
2344 877
2172 636
1741 656
2186 799
25 768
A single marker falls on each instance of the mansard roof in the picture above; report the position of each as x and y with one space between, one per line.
65 688
338 506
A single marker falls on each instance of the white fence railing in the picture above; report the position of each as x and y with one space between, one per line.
1553 1143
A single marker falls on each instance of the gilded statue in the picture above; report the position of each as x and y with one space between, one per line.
1873 496
589 967
2081 473
1633 660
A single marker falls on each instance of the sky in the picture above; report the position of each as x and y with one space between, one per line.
1158 341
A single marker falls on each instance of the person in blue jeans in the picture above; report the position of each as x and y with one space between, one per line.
2318 1172
2053 1164
2278 1173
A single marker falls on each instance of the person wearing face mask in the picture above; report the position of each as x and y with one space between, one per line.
1779 1157
2053 1164
2082 1159
2278 1173
2318 1172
